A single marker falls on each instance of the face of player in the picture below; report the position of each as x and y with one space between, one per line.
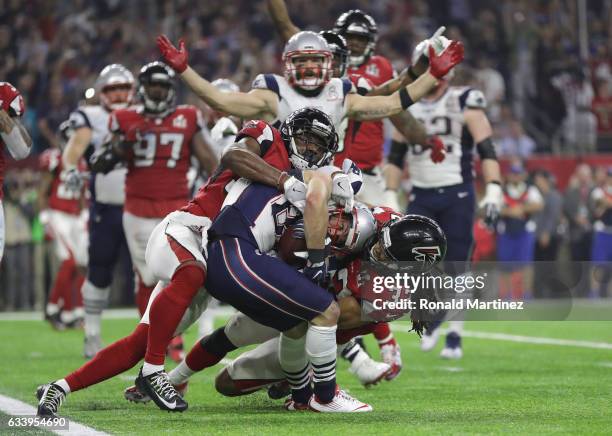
117 94
311 147
308 67
337 65
338 228
377 253
357 44
157 91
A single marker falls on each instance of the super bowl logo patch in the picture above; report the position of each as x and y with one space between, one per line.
427 254
180 122
372 70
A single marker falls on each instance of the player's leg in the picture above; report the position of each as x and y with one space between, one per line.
457 221
389 349
274 294
1 230
105 238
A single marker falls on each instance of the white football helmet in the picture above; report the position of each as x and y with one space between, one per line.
361 227
307 44
111 76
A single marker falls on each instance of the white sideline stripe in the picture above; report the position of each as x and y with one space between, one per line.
522 339
14 407
130 313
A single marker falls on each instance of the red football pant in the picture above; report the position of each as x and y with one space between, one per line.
143 293
62 287
168 309
111 361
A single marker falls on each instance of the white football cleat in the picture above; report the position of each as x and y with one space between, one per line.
367 370
341 403
392 356
429 339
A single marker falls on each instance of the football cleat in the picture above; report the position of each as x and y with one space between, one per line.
294 406
92 345
56 321
279 390
135 396
175 350
430 339
51 398
158 387
452 349
392 356
341 403
368 371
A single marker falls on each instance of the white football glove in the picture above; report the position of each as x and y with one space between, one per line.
342 191
437 41
295 192
72 179
492 203
351 169
224 127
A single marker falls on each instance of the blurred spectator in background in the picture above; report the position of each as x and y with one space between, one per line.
602 108
50 115
547 239
516 233
601 254
515 142
576 208
579 128
492 84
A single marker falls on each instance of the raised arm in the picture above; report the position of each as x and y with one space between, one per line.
280 17
258 103
377 107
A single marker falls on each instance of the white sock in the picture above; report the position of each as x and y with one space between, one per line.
94 300
148 369
293 361
321 349
52 309
455 327
181 373
62 383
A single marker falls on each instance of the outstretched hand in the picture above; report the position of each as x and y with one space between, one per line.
440 65
438 151
176 58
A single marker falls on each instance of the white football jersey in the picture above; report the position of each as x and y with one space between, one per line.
331 99
444 117
106 188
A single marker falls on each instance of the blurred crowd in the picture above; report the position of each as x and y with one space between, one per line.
543 94
548 89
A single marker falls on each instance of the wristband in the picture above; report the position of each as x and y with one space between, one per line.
316 255
405 99
410 72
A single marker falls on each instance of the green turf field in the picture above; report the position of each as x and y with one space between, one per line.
498 387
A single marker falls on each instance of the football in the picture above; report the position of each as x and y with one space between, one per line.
291 247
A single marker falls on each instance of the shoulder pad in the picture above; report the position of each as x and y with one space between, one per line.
79 119
473 99
266 81
258 130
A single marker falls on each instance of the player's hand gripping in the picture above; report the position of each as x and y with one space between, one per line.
316 267
72 179
176 58
295 192
440 65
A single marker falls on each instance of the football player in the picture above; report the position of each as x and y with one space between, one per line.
395 242
61 211
371 75
445 192
175 255
14 136
115 87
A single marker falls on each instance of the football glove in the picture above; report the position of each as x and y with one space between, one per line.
176 58
342 191
438 152
316 267
295 192
72 179
351 169
491 203
440 65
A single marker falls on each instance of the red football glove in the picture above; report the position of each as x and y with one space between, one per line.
11 100
438 152
176 58
440 65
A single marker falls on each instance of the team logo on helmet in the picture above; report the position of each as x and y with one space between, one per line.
427 255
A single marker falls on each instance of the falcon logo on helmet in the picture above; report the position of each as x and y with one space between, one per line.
308 61
357 22
310 137
427 254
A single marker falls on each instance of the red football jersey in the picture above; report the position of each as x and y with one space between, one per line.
11 102
156 182
60 198
364 139
209 198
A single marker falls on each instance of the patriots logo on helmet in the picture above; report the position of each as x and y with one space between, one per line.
427 254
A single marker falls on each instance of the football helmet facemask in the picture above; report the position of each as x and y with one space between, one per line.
310 138
156 73
308 61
